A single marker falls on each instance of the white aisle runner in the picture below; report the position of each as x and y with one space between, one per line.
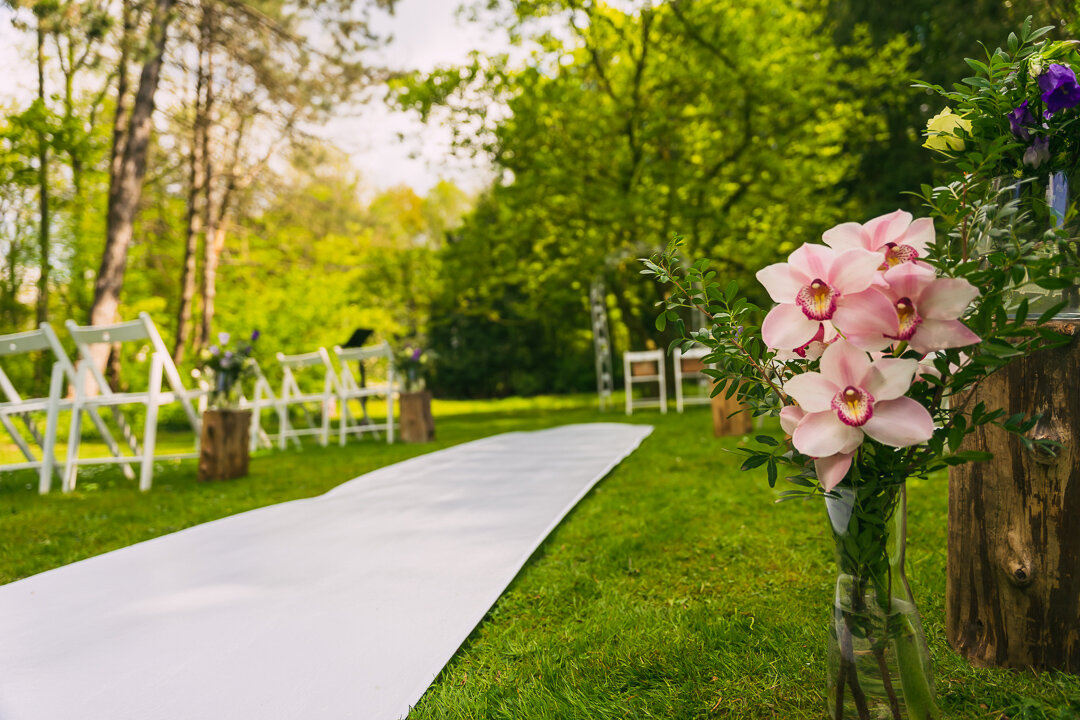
341 606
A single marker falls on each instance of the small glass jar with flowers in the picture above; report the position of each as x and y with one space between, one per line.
224 448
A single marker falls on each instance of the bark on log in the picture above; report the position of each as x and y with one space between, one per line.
1013 586
417 423
224 451
724 423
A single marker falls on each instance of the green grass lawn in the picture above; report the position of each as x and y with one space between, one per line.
676 589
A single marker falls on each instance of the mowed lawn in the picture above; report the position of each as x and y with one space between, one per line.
678 588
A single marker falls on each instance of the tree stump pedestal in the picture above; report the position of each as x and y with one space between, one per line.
417 423
1013 586
223 453
723 422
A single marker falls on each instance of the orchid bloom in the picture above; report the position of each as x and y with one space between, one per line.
818 284
896 235
850 398
928 308
830 470
814 347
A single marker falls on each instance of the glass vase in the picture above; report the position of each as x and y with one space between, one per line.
878 662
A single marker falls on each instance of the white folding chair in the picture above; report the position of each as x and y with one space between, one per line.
645 366
89 399
349 389
63 372
689 366
291 394
262 398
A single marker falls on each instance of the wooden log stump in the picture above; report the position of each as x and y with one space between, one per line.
223 452
1013 586
724 423
417 423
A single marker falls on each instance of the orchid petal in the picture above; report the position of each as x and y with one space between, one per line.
846 236
844 364
812 390
790 416
782 281
890 378
814 260
823 434
868 313
786 327
942 334
831 470
854 270
888 228
909 280
919 235
947 298
899 423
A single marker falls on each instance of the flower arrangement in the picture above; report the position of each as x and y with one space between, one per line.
868 356
1011 136
410 362
1015 118
227 363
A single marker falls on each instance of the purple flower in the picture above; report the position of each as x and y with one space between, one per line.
223 338
1019 118
214 350
416 354
1060 89
255 335
1037 153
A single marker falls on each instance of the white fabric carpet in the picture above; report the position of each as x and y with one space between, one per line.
342 606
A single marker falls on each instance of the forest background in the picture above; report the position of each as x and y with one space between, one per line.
169 163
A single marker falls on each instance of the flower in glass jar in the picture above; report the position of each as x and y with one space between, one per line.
1037 153
853 397
941 132
1059 87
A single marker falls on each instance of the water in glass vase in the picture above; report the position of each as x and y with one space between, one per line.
878 663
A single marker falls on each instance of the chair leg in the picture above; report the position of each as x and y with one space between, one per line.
71 462
390 416
146 475
283 423
343 420
48 448
324 436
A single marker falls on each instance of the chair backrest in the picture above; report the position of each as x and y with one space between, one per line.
143 329
40 340
361 355
317 358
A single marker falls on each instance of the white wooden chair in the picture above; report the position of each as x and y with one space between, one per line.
645 366
42 340
291 394
262 398
89 399
689 366
349 389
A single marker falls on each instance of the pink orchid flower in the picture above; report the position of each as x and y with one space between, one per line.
830 470
928 308
850 398
818 284
896 235
813 349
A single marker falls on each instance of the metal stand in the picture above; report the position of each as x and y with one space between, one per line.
605 381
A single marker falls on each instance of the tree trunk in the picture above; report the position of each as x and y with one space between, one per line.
723 422
196 198
1013 590
211 222
126 178
417 423
43 186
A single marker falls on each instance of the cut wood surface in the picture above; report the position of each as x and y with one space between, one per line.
1013 588
224 451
